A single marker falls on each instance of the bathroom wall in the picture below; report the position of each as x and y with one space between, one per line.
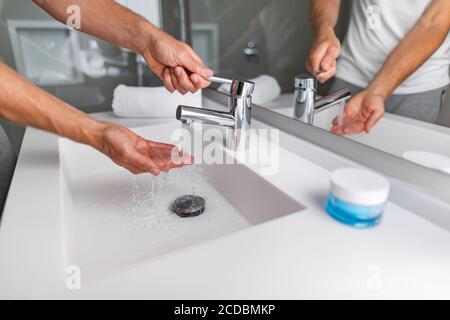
91 95
94 94
21 10
280 28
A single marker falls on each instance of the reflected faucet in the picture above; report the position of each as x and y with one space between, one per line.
307 104
238 115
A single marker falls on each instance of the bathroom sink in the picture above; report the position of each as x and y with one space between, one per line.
113 220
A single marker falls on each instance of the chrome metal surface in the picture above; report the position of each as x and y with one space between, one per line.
239 88
306 102
251 50
220 80
335 98
238 116
305 82
188 114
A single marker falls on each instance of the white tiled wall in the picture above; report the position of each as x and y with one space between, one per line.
149 9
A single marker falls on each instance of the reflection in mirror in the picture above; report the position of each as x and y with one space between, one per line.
396 71
77 68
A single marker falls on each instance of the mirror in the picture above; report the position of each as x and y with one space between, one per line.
75 67
271 40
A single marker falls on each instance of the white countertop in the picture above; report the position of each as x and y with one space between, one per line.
303 255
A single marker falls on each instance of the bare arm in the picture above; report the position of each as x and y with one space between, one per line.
366 108
414 50
110 21
324 15
23 103
107 20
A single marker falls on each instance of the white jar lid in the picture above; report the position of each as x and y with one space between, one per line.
361 187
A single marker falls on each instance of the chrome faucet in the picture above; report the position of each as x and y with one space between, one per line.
239 113
307 104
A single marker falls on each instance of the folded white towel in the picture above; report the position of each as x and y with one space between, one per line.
146 102
267 89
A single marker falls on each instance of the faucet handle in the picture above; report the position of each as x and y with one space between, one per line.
241 88
220 80
238 88
305 82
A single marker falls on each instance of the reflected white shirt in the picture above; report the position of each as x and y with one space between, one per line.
376 27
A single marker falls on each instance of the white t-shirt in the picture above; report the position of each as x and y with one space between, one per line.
376 27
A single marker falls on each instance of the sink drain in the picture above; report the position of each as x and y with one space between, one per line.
189 206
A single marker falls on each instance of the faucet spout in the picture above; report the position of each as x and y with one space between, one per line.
238 116
338 97
206 116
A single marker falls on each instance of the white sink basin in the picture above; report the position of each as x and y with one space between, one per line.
74 211
113 220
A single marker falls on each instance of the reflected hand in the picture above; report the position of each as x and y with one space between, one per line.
361 113
136 154
323 56
178 66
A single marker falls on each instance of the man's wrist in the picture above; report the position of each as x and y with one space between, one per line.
147 36
324 32
375 88
93 133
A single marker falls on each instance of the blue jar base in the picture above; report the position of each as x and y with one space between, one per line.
354 215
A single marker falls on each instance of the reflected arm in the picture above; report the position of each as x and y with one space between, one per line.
324 16
414 50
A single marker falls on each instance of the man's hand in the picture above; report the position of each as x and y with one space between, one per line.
22 102
421 42
178 66
361 113
323 56
136 154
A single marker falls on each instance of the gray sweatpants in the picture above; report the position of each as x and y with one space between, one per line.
7 163
424 106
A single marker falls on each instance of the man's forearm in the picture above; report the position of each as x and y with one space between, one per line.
107 20
324 15
414 50
23 103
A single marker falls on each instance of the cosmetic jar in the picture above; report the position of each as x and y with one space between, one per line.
357 197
